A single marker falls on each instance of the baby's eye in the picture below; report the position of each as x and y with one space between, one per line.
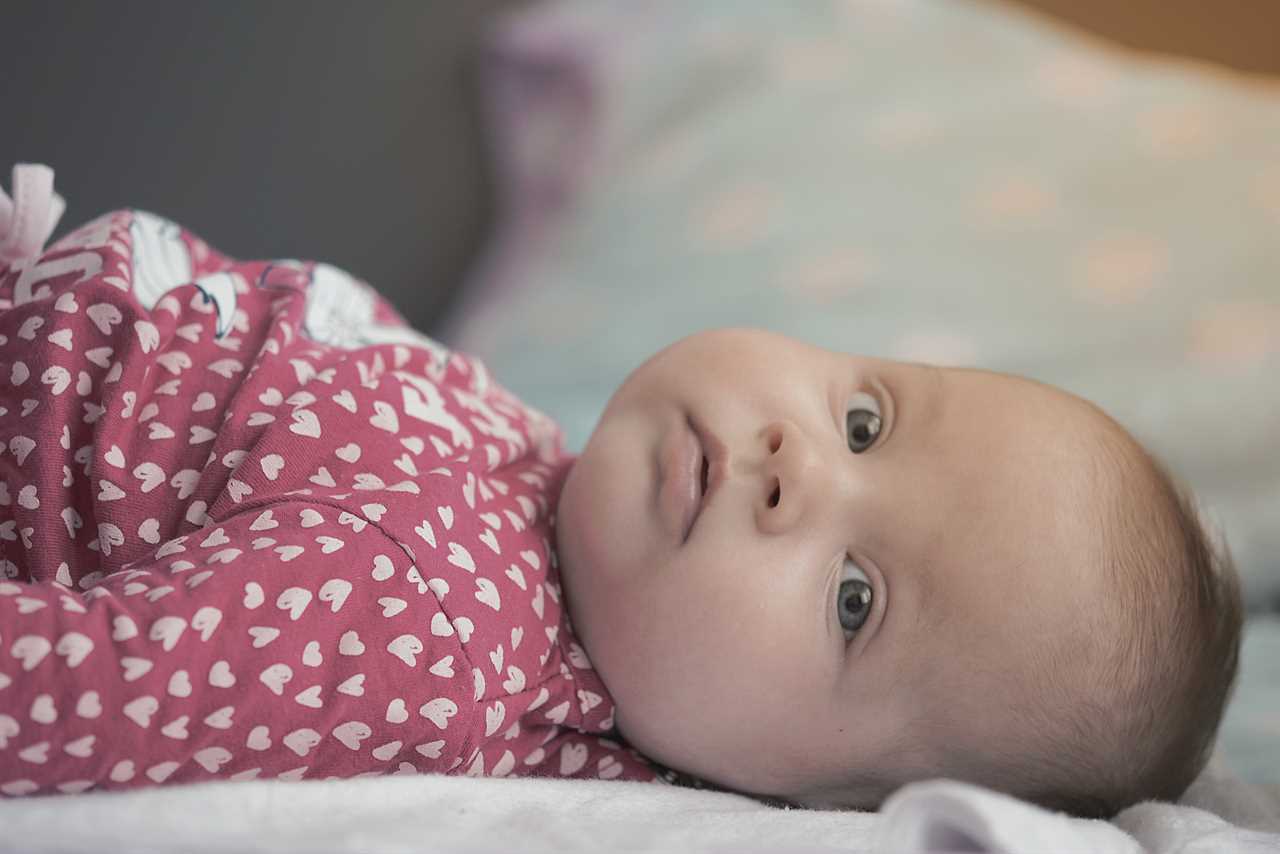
853 601
862 422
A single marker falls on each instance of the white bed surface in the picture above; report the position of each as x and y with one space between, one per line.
462 814
425 813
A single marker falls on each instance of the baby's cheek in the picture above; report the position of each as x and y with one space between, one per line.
601 515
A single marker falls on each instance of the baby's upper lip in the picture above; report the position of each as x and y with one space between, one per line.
716 453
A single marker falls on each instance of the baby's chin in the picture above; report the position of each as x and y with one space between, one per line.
569 558
564 519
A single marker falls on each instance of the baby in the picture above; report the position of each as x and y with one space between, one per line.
820 576
253 525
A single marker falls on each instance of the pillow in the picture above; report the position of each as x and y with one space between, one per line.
959 183
1249 739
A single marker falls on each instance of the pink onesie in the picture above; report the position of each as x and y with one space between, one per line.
253 525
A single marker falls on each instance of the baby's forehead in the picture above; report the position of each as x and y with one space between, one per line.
1024 475
1068 432
1012 385
993 637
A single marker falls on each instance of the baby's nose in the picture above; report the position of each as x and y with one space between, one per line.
792 477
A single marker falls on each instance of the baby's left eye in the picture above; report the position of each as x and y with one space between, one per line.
853 600
862 422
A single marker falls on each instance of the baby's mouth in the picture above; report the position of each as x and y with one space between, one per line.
692 463
712 467
700 484
701 473
680 492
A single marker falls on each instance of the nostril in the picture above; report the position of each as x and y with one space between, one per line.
775 442
776 495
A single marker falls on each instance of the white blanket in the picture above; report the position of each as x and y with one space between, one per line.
1219 815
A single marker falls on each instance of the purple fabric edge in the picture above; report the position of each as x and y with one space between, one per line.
531 68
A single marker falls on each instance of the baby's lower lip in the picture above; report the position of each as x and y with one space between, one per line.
680 459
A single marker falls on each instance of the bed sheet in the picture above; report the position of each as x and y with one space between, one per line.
486 815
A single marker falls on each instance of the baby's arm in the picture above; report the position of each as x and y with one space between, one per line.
280 642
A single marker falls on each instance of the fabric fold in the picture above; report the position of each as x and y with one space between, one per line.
943 816
27 220
1220 813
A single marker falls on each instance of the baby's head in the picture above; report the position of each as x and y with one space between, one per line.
894 572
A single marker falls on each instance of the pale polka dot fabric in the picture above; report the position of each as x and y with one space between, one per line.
252 525
948 182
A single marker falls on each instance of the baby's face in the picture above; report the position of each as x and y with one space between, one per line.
869 531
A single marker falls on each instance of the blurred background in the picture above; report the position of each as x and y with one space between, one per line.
325 129
272 128
1086 193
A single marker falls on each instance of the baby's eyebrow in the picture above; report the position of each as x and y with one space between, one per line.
923 409
936 373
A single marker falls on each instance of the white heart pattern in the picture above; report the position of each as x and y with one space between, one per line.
266 513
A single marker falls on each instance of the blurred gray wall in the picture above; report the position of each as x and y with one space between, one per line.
346 132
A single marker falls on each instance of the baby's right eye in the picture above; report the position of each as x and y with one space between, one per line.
862 422
853 600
